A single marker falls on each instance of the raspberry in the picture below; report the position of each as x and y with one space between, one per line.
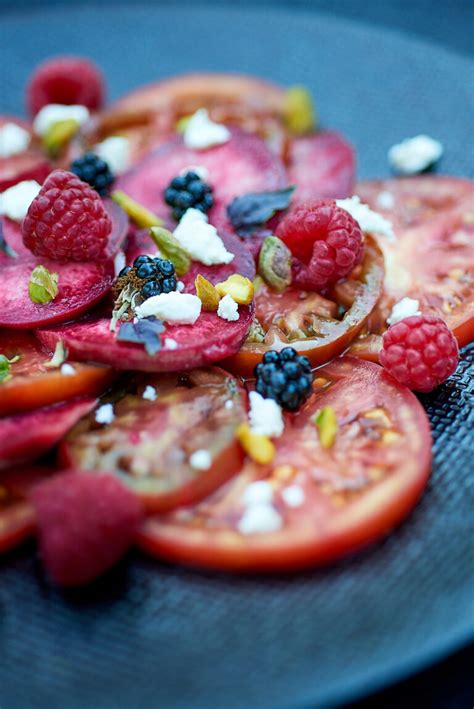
420 351
86 522
325 241
67 220
65 80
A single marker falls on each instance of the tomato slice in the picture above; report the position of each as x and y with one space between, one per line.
33 385
318 327
350 494
150 443
17 518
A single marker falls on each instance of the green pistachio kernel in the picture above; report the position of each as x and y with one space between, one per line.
43 285
274 263
256 332
299 113
5 373
171 249
326 421
139 215
58 135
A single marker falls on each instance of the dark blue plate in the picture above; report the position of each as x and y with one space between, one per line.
153 635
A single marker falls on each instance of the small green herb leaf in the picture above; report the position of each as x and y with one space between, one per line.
256 208
59 356
326 421
5 363
43 285
145 331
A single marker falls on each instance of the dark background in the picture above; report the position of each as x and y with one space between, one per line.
448 685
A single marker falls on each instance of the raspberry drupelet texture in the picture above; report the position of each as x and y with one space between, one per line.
326 242
67 221
86 522
420 351
65 80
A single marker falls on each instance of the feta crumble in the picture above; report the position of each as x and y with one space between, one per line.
174 307
200 239
105 414
201 132
293 495
414 155
260 519
171 344
228 309
14 202
55 112
13 140
404 309
150 393
385 200
257 493
229 404
265 416
116 151
119 262
201 171
180 286
368 220
67 369
200 460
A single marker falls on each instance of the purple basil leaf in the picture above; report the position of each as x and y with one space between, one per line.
145 331
255 208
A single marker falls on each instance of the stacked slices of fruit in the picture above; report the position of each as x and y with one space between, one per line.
205 220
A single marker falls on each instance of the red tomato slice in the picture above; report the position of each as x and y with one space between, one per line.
17 518
33 385
318 327
352 493
150 443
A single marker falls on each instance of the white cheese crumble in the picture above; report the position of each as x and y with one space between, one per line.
14 202
414 155
368 220
293 495
116 151
257 493
13 140
67 370
265 416
200 460
404 309
180 286
385 200
150 393
260 519
119 262
228 309
201 171
55 112
174 307
200 239
105 414
170 344
202 133
229 404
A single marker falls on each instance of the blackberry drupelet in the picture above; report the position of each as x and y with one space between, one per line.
95 171
186 191
285 377
150 276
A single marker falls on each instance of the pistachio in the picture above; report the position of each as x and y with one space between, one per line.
59 356
274 263
139 215
258 448
207 294
298 111
182 123
58 135
43 285
326 421
256 332
171 249
238 287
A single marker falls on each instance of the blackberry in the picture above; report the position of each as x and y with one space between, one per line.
151 288
95 171
150 276
185 191
285 377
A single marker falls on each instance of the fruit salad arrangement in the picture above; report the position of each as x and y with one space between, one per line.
210 334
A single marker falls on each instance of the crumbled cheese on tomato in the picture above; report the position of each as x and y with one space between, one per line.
293 495
116 151
200 239
67 370
55 112
200 460
14 202
228 309
201 171
385 200
119 262
257 493
414 155
260 519
369 221
174 307
229 404
201 132
105 414
180 286
170 344
265 416
404 309
13 140
150 393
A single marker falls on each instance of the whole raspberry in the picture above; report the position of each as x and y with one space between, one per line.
86 522
65 80
67 220
419 351
324 239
